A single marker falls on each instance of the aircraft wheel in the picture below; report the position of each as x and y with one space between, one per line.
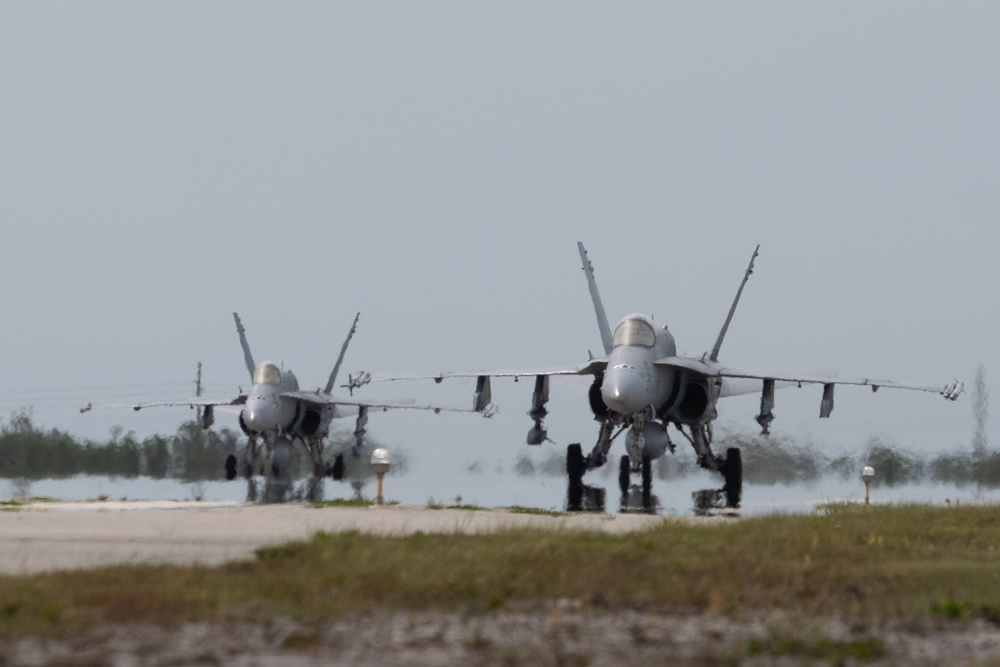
732 472
337 469
624 475
647 483
574 471
230 467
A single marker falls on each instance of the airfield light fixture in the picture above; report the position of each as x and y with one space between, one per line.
380 464
867 476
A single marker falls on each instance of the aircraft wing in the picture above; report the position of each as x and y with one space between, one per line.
319 398
592 367
708 368
743 386
191 402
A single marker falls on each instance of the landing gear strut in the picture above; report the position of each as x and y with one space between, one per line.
647 484
246 464
314 490
278 481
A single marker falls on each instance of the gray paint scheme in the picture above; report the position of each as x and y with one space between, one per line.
278 413
642 386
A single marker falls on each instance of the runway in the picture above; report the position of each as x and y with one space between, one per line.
39 537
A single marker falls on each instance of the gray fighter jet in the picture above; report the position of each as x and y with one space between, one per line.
277 413
641 386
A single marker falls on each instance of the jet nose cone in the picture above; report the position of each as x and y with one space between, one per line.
252 419
623 393
616 402
259 417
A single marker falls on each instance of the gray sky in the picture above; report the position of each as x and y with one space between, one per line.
433 164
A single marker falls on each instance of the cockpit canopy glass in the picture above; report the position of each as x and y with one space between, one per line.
634 332
267 373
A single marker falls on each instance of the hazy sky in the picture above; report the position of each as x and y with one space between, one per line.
432 165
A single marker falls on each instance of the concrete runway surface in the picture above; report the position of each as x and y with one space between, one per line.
43 536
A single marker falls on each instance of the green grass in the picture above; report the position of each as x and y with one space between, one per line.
519 509
343 502
965 610
434 505
14 504
863 564
18 502
828 650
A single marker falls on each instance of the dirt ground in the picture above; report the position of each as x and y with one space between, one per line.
562 634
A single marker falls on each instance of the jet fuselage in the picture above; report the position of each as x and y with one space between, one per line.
632 382
266 411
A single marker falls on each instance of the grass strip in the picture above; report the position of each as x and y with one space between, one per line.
520 509
874 564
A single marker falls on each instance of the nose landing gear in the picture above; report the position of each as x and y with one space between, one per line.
636 498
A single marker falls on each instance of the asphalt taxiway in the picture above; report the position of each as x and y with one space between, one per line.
37 537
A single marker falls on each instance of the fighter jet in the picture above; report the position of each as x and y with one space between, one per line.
277 413
641 386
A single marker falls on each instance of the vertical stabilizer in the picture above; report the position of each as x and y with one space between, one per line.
732 310
595 296
340 359
246 346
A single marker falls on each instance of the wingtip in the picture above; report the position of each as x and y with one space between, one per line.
952 391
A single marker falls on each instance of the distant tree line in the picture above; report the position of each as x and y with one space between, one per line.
780 460
191 455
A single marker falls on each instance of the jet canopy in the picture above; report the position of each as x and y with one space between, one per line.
634 331
267 373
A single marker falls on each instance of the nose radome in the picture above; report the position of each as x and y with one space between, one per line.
252 419
622 392
259 416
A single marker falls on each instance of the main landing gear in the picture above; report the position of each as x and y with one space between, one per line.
579 496
731 494
732 472
639 497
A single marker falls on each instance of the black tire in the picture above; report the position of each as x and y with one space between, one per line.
337 469
732 472
574 471
230 467
624 475
647 483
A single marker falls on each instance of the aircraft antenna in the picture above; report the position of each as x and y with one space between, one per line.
246 346
340 359
595 296
197 390
732 309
